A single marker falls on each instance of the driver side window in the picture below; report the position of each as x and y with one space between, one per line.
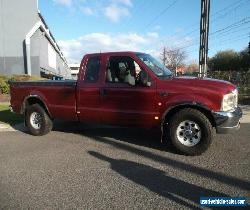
123 69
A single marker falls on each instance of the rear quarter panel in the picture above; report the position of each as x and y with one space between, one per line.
60 99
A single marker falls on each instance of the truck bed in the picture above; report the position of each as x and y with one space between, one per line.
58 95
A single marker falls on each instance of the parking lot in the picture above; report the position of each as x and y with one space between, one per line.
98 167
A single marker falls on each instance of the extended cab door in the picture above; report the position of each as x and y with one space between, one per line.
124 101
88 89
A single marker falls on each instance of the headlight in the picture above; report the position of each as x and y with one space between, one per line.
229 101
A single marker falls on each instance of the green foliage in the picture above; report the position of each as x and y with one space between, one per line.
244 90
244 60
24 78
230 60
4 86
239 78
234 67
3 77
224 61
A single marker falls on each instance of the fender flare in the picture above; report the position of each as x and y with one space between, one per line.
36 97
190 104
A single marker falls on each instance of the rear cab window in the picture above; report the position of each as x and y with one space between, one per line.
92 69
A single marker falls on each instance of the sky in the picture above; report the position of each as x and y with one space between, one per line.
87 26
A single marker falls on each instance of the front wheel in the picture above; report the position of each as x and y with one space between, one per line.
37 120
190 131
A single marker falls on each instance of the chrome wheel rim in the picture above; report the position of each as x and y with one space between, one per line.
36 120
188 133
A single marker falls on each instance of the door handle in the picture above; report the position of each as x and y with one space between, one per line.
103 92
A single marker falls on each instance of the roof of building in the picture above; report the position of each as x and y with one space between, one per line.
51 35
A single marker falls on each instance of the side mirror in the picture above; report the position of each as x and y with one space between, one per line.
145 79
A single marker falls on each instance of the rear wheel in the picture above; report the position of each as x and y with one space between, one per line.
37 120
190 132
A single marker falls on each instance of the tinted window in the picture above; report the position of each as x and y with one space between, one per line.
92 69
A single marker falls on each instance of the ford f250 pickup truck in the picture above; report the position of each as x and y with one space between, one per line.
132 89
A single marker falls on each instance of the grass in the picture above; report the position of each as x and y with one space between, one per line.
6 116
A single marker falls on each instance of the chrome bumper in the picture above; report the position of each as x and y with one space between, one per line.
227 121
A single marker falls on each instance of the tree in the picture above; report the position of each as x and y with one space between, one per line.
244 58
173 57
227 60
231 65
192 68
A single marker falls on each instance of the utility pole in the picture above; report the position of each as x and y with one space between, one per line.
204 29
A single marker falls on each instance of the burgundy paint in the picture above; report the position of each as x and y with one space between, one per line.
124 104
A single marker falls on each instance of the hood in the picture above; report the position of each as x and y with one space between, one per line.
201 84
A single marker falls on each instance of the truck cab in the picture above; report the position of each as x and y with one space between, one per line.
118 89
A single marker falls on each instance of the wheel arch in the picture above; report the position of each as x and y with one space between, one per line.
200 107
34 99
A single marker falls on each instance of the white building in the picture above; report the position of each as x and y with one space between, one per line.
27 45
74 68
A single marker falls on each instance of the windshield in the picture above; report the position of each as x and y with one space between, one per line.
155 66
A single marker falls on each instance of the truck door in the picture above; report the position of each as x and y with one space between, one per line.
124 100
88 90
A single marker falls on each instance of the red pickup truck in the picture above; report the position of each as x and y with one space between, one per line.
132 89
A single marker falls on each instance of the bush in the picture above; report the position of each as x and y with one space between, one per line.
4 85
3 77
244 90
241 78
24 77
5 88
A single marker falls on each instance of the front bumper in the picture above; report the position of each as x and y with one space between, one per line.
227 121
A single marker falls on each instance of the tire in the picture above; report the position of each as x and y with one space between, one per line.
190 132
37 120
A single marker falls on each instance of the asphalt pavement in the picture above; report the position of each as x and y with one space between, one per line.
100 167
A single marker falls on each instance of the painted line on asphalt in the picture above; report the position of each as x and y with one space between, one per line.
8 128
